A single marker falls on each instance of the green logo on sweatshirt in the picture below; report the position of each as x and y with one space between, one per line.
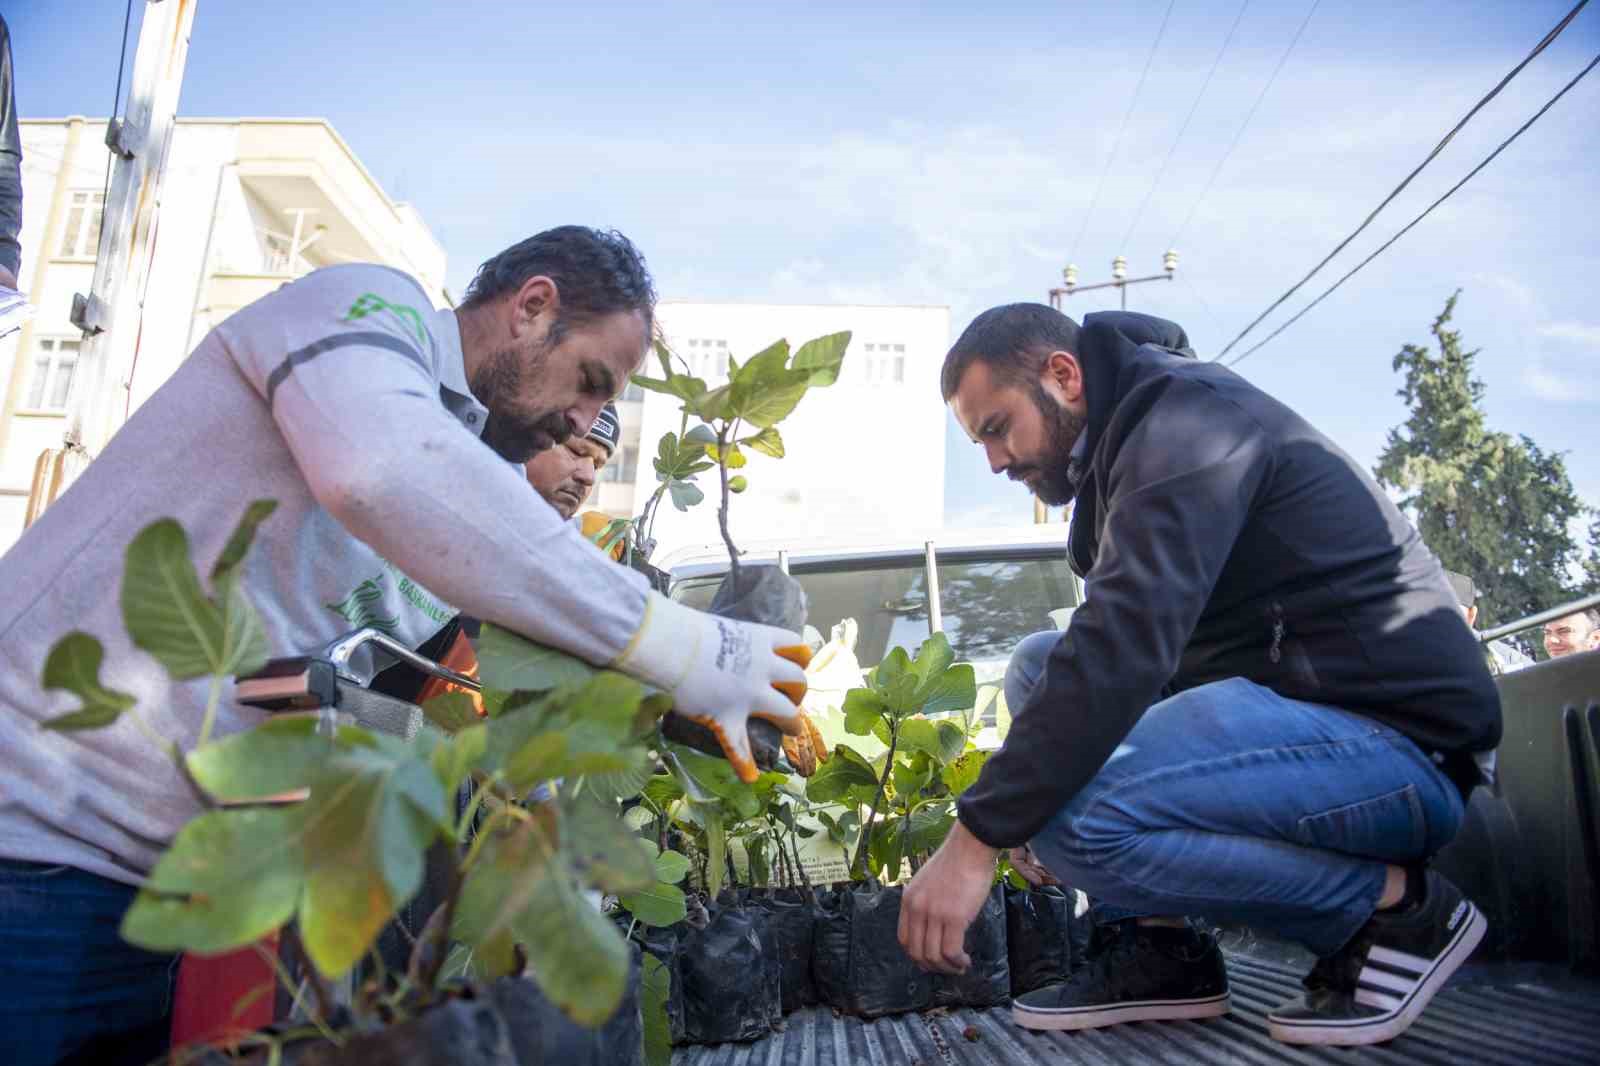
364 607
370 303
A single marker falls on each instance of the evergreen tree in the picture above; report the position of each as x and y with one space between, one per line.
1494 507
1591 565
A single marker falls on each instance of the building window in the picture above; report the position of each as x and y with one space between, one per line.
710 359
623 468
82 235
53 367
883 364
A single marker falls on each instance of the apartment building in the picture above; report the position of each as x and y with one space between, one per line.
246 205
865 456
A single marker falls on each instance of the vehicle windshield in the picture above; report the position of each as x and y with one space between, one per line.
987 604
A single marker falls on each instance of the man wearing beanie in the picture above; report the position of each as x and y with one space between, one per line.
565 475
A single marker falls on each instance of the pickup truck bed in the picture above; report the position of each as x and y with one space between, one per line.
1528 854
1514 1014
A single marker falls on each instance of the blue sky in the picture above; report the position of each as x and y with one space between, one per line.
947 153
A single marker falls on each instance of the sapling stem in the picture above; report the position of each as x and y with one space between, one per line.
383 969
473 804
724 437
432 956
794 842
213 698
319 987
872 811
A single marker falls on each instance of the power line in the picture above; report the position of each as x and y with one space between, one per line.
116 97
1117 142
1387 200
1203 302
1239 134
1215 63
1383 247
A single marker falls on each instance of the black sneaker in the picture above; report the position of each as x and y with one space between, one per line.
1133 973
1375 987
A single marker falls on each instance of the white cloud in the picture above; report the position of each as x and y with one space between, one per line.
1583 333
1561 381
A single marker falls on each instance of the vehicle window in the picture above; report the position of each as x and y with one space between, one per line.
889 604
989 606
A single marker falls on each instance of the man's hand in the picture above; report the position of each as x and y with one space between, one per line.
1027 864
943 899
720 673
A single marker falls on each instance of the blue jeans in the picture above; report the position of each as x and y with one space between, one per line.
1232 803
70 988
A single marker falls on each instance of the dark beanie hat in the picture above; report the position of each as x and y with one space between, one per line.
607 428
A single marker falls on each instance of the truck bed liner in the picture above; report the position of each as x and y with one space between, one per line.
1494 1014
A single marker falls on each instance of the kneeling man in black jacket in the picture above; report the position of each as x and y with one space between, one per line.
1268 710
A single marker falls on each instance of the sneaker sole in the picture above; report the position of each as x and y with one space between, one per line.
1377 1029
1148 1010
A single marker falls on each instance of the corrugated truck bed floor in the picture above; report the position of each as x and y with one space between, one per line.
1486 1016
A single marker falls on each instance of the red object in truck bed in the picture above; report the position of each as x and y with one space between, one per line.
210 989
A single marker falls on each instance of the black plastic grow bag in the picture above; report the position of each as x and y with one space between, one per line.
987 982
856 958
792 914
1045 938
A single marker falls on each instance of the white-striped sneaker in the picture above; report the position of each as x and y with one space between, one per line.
1377 985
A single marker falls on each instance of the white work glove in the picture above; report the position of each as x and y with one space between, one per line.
720 672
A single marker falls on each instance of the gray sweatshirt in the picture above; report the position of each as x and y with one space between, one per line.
344 397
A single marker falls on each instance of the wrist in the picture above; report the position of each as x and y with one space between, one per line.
662 650
970 848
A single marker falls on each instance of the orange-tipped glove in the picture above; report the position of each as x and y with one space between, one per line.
805 750
719 672
806 753
592 523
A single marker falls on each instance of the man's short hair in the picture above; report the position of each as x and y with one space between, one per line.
1013 340
597 272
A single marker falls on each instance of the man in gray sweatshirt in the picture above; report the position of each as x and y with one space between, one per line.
392 436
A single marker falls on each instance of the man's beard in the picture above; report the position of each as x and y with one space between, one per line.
1062 428
515 433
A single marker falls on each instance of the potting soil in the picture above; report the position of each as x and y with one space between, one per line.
987 982
856 957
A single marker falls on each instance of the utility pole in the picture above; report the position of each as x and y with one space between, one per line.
110 315
1119 279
